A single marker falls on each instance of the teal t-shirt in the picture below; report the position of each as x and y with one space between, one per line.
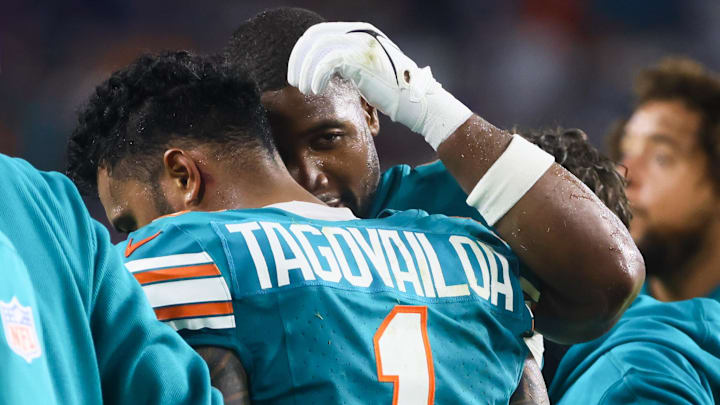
658 353
99 335
323 308
24 374
431 188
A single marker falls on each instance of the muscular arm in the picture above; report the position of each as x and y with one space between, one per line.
531 390
561 230
227 374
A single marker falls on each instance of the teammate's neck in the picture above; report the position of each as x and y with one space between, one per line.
266 186
699 277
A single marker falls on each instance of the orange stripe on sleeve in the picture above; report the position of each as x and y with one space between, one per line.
174 273
194 310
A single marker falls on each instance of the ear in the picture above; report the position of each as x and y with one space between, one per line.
371 116
186 181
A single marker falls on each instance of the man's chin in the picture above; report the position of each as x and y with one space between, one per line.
667 253
638 228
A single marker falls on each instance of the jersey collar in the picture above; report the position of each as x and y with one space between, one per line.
315 211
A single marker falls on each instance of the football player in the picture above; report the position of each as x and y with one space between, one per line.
88 335
326 139
316 304
326 142
670 147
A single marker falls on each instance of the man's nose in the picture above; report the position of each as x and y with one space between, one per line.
310 174
634 168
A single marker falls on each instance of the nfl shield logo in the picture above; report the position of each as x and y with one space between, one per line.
19 327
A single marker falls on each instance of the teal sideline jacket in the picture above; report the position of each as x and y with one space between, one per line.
658 353
96 331
24 374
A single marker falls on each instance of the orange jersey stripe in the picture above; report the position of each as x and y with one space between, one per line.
174 273
193 310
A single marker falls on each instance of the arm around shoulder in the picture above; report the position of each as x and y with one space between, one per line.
585 256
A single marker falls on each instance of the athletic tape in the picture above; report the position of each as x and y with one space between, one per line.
509 178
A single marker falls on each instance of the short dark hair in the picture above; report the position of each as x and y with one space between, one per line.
171 97
262 44
573 151
691 83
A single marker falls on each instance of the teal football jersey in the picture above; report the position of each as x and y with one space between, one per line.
658 353
24 375
99 335
428 187
324 308
431 188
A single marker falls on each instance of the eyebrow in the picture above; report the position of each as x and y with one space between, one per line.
664 139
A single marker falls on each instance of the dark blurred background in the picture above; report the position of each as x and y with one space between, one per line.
515 62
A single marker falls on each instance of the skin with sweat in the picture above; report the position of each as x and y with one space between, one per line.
326 142
196 179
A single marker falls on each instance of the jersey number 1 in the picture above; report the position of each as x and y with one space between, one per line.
403 356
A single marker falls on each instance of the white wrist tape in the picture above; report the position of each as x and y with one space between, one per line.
445 114
509 178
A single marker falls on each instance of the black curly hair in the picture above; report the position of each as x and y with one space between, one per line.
173 97
262 44
573 151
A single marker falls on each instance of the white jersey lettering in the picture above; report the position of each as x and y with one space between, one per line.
246 229
283 264
332 273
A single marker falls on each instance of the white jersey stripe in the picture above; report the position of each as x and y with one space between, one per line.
212 322
151 263
187 291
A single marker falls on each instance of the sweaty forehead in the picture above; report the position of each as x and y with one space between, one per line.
289 107
665 119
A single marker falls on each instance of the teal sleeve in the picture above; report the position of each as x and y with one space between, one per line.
141 360
173 239
648 387
428 187
24 374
